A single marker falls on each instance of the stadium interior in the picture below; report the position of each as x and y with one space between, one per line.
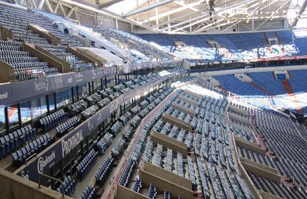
153 99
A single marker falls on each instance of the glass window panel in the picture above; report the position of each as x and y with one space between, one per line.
25 110
35 108
2 119
75 92
82 90
59 99
97 85
66 96
13 115
43 105
51 102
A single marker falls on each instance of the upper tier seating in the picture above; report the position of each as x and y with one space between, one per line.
31 149
16 139
131 41
18 20
230 46
25 66
266 85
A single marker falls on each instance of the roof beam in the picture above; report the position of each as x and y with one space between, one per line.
188 14
188 6
49 6
303 7
165 14
201 17
211 24
147 8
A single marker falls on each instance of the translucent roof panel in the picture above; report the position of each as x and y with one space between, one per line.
124 7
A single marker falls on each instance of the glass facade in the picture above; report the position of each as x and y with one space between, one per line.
38 107
97 85
82 90
75 91
51 102
25 111
66 96
2 119
13 115
59 99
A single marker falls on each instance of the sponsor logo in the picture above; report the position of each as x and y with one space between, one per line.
90 125
24 175
4 95
58 80
71 143
69 80
99 117
113 106
43 162
40 86
78 77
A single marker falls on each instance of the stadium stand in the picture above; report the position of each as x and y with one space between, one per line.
225 47
75 126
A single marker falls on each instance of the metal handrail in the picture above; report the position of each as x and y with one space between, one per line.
52 178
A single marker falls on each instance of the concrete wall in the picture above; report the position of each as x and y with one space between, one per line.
15 187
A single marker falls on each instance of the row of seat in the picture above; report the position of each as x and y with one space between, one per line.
34 147
158 156
203 178
191 173
104 143
77 107
50 121
89 193
68 186
65 127
189 140
116 128
102 103
224 186
234 186
137 185
86 164
147 155
124 180
16 139
180 165
152 192
92 99
118 149
87 113
214 182
125 117
197 144
169 160
104 171
275 188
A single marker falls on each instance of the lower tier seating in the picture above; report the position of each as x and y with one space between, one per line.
68 185
89 193
86 164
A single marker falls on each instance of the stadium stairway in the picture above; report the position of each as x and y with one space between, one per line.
173 48
260 88
276 35
266 38
288 88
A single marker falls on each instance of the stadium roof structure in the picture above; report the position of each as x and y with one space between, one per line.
192 16
211 16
